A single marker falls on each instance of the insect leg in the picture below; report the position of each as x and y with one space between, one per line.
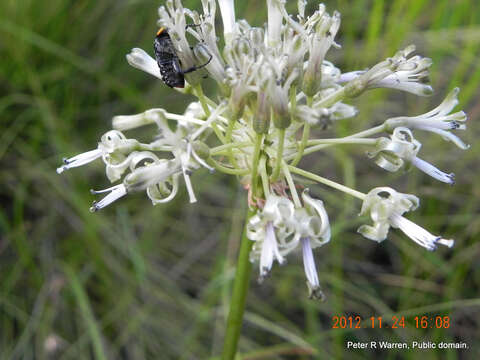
194 67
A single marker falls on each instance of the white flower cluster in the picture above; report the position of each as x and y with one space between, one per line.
280 227
274 86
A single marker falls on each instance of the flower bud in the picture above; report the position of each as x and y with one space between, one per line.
281 114
261 121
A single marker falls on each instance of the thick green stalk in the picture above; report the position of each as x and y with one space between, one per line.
239 296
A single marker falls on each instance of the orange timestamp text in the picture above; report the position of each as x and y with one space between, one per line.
392 322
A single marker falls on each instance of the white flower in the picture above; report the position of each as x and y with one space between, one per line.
128 122
113 148
398 72
313 229
311 221
227 9
79 160
275 19
438 121
268 228
313 284
319 43
115 192
151 172
390 155
386 207
138 58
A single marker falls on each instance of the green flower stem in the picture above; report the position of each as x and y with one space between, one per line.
361 134
368 132
198 91
256 158
279 159
305 136
202 98
226 170
293 99
239 295
228 140
220 150
359 141
327 182
331 99
264 176
291 185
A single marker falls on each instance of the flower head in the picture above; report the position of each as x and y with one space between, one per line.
276 93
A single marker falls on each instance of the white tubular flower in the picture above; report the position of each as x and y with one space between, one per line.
114 193
128 122
319 224
227 9
275 20
312 229
113 148
399 72
319 43
386 207
268 229
439 120
390 155
79 160
149 174
314 289
139 59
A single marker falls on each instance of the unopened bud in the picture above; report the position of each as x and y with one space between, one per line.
261 121
281 115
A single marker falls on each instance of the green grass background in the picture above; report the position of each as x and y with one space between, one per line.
136 281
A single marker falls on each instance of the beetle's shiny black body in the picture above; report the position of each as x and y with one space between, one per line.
167 60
